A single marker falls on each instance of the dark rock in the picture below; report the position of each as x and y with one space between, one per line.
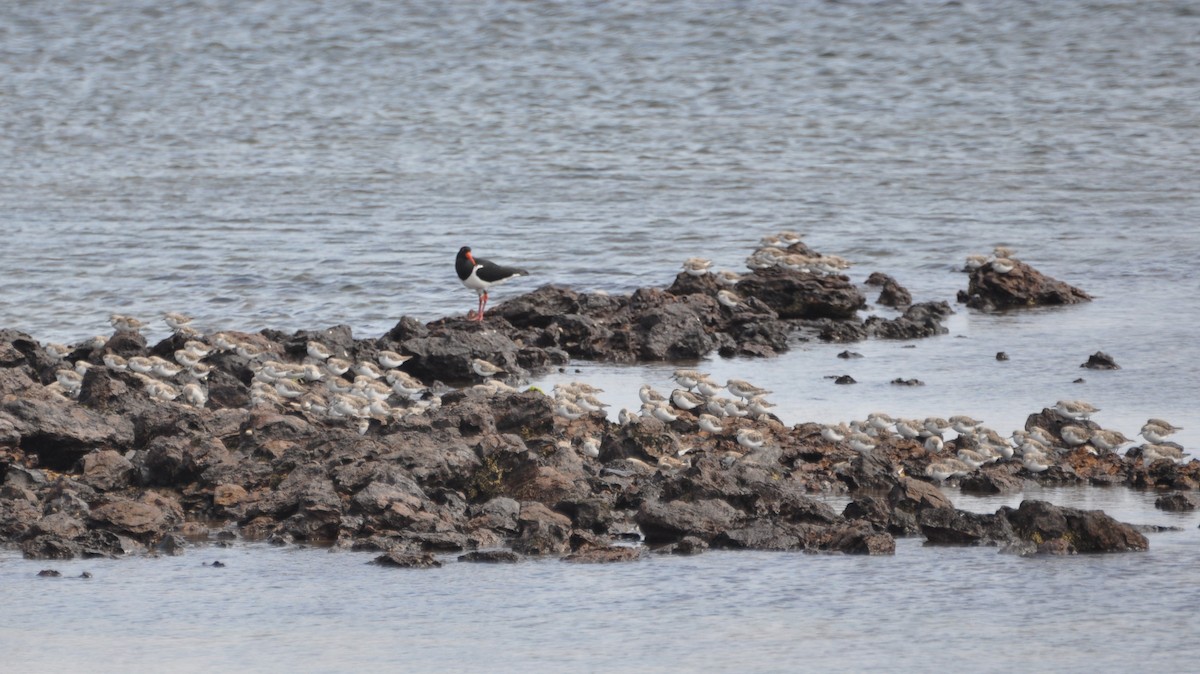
543 531
1072 530
49 573
605 555
914 496
992 479
1178 502
407 560
1101 361
899 381
106 470
948 526
1000 355
849 354
858 539
148 519
49 546
918 321
844 379
672 521
688 545
794 294
60 433
892 294
1024 286
491 557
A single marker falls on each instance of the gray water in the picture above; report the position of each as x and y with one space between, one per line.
925 609
299 164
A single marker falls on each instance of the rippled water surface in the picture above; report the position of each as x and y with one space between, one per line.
926 608
301 164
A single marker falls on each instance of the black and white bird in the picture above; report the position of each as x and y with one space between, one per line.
479 274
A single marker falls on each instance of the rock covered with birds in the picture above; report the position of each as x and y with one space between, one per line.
426 440
1000 281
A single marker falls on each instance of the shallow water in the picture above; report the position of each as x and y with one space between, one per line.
299 164
925 608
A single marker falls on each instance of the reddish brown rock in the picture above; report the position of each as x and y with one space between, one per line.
1024 286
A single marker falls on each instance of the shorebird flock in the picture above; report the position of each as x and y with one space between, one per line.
1000 261
322 384
774 251
734 418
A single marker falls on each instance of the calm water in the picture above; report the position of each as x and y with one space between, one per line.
299 164
925 609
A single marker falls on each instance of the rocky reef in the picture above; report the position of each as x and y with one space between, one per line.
415 444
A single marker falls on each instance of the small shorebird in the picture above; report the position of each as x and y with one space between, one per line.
860 442
404 384
729 299
124 324
1156 434
727 278
590 403
479 275
759 405
648 395
114 362
391 360
485 369
176 321
1003 265
696 266
661 412
367 369
685 400
744 389
1075 409
1155 451
318 351
835 433
57 351
140 364
688 378
337 367
935 426
1164 424
908 429
568 410
590 447
1035 462
940 471
194 395
1075 435
975 262
164 368
934 444
706 387
963 424
750 438
710 424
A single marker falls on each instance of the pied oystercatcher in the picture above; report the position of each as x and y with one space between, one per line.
479 274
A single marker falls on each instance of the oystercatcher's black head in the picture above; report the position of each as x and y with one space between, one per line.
464 264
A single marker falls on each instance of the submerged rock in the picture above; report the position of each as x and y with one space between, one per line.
1101 361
